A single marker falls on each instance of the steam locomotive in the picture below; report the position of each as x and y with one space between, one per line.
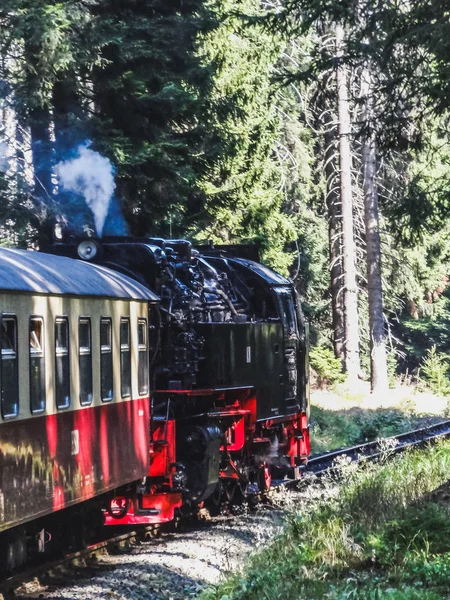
146 377
230 373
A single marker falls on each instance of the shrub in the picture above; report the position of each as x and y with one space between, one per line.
381 537
435 368
327 367
332 429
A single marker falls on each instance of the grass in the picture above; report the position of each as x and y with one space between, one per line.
337 429
385 535
339 419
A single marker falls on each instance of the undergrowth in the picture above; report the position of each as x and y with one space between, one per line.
385 535
336 429
327 368
435 368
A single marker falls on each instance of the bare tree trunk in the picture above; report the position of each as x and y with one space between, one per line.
350 287
329 123
42 152
378 366
334 238
67 115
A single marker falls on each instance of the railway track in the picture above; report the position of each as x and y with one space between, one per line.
324 463
24 580
318 465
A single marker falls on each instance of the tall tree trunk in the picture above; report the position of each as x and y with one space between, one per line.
378 366
334 237
42 153
352 364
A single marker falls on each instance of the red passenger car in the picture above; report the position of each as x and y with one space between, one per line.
74 394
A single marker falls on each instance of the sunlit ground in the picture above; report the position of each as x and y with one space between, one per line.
342 417
404 397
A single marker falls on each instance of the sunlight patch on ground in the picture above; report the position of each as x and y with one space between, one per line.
405 398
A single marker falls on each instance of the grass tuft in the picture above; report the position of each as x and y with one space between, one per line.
385 535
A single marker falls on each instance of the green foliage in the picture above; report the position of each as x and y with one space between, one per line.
435 367
381 537
376 496
244 185
181 97
327 367
47 38
419 335
15 212
212 121
412 141
150 88
331 429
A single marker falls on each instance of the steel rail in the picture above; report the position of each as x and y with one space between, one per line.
323 463
9 584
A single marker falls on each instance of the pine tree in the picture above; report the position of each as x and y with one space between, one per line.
148 90
243 185
40 42
378 365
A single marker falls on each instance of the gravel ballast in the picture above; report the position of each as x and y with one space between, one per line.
174 566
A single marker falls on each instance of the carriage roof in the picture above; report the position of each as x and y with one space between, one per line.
39 273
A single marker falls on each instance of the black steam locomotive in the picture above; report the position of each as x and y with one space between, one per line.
229 373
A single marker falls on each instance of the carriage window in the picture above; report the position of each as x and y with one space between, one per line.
106 367
62 364
125 358
9 368
37 365
85 361
142 357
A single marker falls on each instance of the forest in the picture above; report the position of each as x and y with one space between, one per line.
317 130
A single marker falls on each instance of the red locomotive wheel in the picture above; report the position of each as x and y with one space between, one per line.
118 507
264 477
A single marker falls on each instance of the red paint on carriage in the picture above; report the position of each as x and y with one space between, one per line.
56 461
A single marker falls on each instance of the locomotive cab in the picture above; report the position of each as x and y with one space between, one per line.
267 350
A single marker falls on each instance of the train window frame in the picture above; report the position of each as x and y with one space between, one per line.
8 356
143 365
287 312
34 354
125 360
64 354
106 350
82 352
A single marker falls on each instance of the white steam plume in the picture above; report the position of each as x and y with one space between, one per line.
91 175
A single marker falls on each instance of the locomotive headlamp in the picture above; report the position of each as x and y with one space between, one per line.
87 250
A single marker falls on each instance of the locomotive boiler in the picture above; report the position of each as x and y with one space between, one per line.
229 370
